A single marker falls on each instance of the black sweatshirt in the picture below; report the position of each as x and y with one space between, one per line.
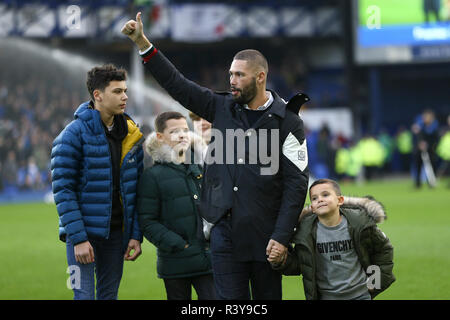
115 137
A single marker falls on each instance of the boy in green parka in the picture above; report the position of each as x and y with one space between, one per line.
168 195
339 249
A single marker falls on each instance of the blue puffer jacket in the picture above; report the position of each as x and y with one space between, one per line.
82 178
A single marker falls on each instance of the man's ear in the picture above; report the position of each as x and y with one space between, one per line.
340 200
261 77
97 95
159 135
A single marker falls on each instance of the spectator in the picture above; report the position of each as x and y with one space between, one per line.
388 145
426 137
443 151
373 155
33 179
325 151
9 171
404 146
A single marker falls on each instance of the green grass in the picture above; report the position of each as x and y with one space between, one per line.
34 262
396 11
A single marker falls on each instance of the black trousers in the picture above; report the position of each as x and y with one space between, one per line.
180 288
240 280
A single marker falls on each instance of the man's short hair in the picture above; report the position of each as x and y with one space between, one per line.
254 57
98 78
333 183
162 118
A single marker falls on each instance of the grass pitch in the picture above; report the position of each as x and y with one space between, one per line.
418 225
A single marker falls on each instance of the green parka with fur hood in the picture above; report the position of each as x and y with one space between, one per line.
168 195
371 244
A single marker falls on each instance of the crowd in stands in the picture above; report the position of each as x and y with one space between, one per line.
31 115
36 101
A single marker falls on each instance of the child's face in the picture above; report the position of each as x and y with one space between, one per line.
176 134
324 200
113 99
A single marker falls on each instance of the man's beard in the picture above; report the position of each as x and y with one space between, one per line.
247 93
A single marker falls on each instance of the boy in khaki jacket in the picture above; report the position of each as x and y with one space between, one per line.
339 250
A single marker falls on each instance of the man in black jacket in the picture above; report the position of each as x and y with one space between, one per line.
254 199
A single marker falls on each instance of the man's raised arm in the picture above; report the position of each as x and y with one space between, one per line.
200 100
135 31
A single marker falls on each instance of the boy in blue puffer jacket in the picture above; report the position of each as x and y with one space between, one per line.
96 161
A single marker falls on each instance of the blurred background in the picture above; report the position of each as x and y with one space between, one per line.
377 73
371 68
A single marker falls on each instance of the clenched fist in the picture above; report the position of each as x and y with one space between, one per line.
134 29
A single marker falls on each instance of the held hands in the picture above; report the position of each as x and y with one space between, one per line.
135 31
276 252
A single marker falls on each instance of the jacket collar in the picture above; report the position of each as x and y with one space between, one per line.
373 209
86 113
278 106
132 140
265 105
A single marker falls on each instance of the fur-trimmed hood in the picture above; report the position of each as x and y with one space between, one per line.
373 208
161 152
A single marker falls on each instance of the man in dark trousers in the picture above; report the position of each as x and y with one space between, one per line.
426 137
254 203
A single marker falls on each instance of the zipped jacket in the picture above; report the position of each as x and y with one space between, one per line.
82 178
372 246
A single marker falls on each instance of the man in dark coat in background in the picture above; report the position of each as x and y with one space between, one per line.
426 136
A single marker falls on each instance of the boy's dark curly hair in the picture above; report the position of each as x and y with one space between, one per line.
98 78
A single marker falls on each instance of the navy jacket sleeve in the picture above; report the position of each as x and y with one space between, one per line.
294 168
136 231
200 100
65 163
